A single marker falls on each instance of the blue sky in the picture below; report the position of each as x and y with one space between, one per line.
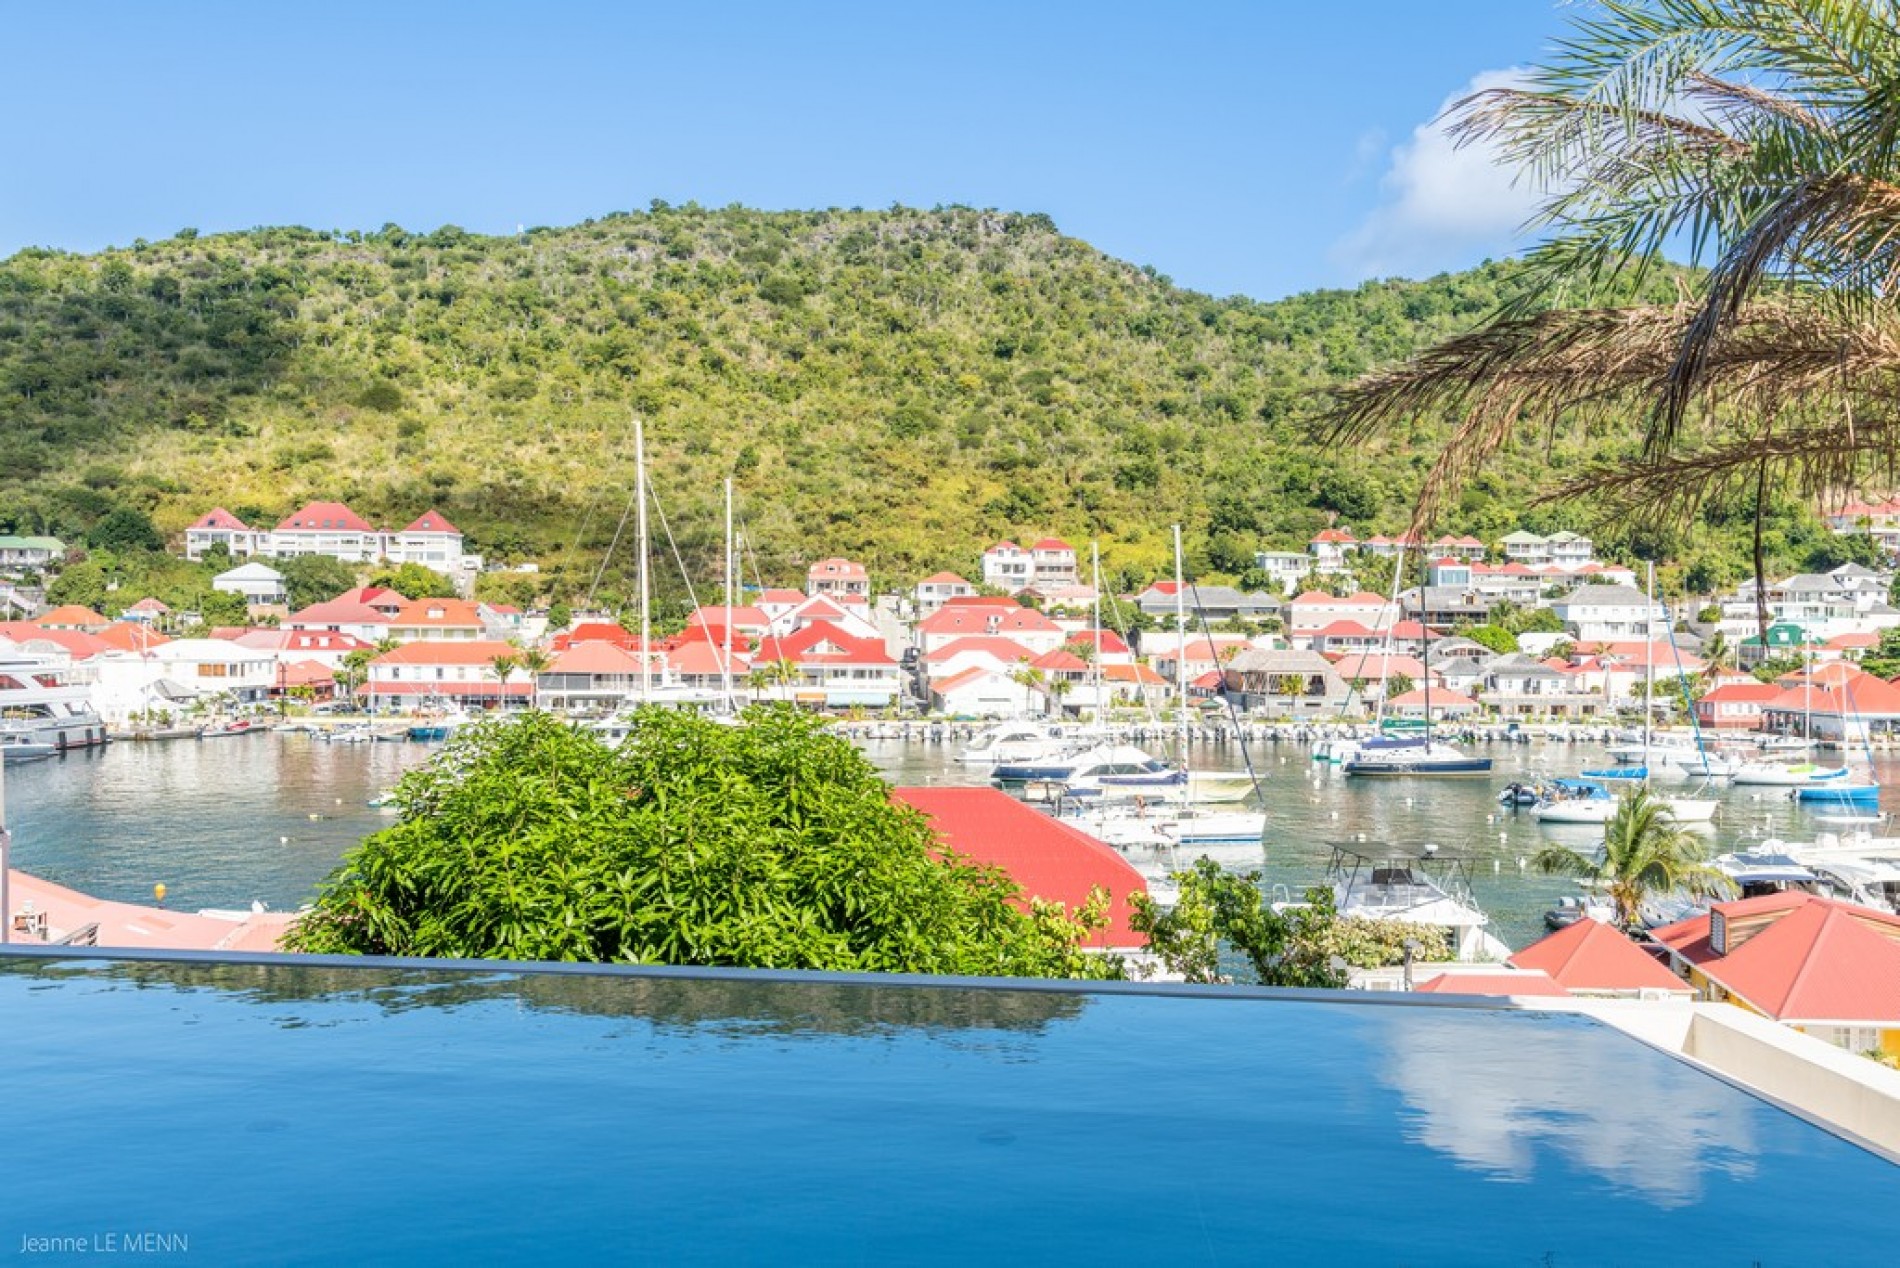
1258 149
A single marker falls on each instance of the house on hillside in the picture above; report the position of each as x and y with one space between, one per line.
258 583
1286 569
20 554
839 580
835 668
1610 614
1212 604
430 540
437 620
593 678
1329 549
325 528
938 589
218 527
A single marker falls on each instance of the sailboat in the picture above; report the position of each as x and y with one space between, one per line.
1796 775
1852 793
1420 754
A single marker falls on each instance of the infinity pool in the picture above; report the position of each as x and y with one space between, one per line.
371 1114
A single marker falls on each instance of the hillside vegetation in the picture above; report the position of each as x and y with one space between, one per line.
901 386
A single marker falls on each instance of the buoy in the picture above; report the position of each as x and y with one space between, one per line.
158 891
1496 867
1520 862
283 840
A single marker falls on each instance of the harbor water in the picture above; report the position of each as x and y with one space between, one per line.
229 822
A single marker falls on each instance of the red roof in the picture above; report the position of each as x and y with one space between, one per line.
316 517
982 601
1139 674
1005 544
1209 680
130 636
596 632
1850 642
1060 661
1333 535
1741 693
1378 667
1053 543
1441 699
432 521
473 651
218 517
802 647
704 658
835 568
594 658
1007 650
438 614
1817 960
1592 956
305 673
77 644
1049 859
1490 984
1345 628
1111 642
71 615
943 579
787 597
148 605
339 612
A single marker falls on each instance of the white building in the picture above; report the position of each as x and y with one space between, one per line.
258 583
838 579
177 674
1284 568
1050 562
938 589
1564 549
1610 614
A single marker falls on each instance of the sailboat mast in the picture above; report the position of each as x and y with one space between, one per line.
725 660
1649 655
1424 633
1095 663
646 598
1180 633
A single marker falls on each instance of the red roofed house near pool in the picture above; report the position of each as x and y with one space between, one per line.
1048 858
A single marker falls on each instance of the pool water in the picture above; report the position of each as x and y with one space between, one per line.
378 1115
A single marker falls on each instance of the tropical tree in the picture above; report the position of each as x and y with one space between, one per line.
1645 853
502 666
535 661
1761 139
769 845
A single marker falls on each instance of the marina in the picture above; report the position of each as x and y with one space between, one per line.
263 819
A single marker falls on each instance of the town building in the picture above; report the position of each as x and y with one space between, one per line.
1564 549
1329 549
218 527
938 589
23 554
258 583
435 672
1610 614
1300 683
839 580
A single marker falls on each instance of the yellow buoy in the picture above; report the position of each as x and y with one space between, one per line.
158 891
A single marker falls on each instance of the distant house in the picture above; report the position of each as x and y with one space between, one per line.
939 588
1610 614
982 691
1286 569
1314 611
18 554
838 579
1523 686
1735 706
1466 548
71 616
437 620
258 583
430 540
175 672
835 668
1329 549
1006 566
591 677
1442 704
1049 562
1295 682
1209 603
1566 550
326 528
436 671
218 527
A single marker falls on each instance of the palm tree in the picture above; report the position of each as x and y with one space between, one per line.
772 673
1645 853
502 666
1761 139
535 662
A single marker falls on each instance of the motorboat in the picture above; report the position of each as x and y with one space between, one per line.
18 746
1082 773
1785 774
1574 801
1839 792
235 726
1569 910
1418 884
437 729
1013 742
1872 881
1657 752
1707 765
1387 758
1766 869
38 701
1517 794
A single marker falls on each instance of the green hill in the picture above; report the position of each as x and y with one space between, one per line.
900 386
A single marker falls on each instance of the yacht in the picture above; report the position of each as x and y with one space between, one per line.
1014 742
1657 752
1079 770
38 704
19 747
1786 774
1419 884
1414 756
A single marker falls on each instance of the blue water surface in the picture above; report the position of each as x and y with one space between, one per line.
371 1115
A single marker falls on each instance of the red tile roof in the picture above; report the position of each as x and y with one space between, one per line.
130 636
1741 693
1053 543
703 659
594 658
339 612
218 517
943 579
1592 956
71 615
802 647
1140 674
1333 535
306 673
77 644
790 598
1007 650
1060 661
1817 960
596 632
835 568
317 517
1442 699
438 614
474 651
1490 984
1049 859
433 521
1111 642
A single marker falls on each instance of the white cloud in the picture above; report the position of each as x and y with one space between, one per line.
1441 206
